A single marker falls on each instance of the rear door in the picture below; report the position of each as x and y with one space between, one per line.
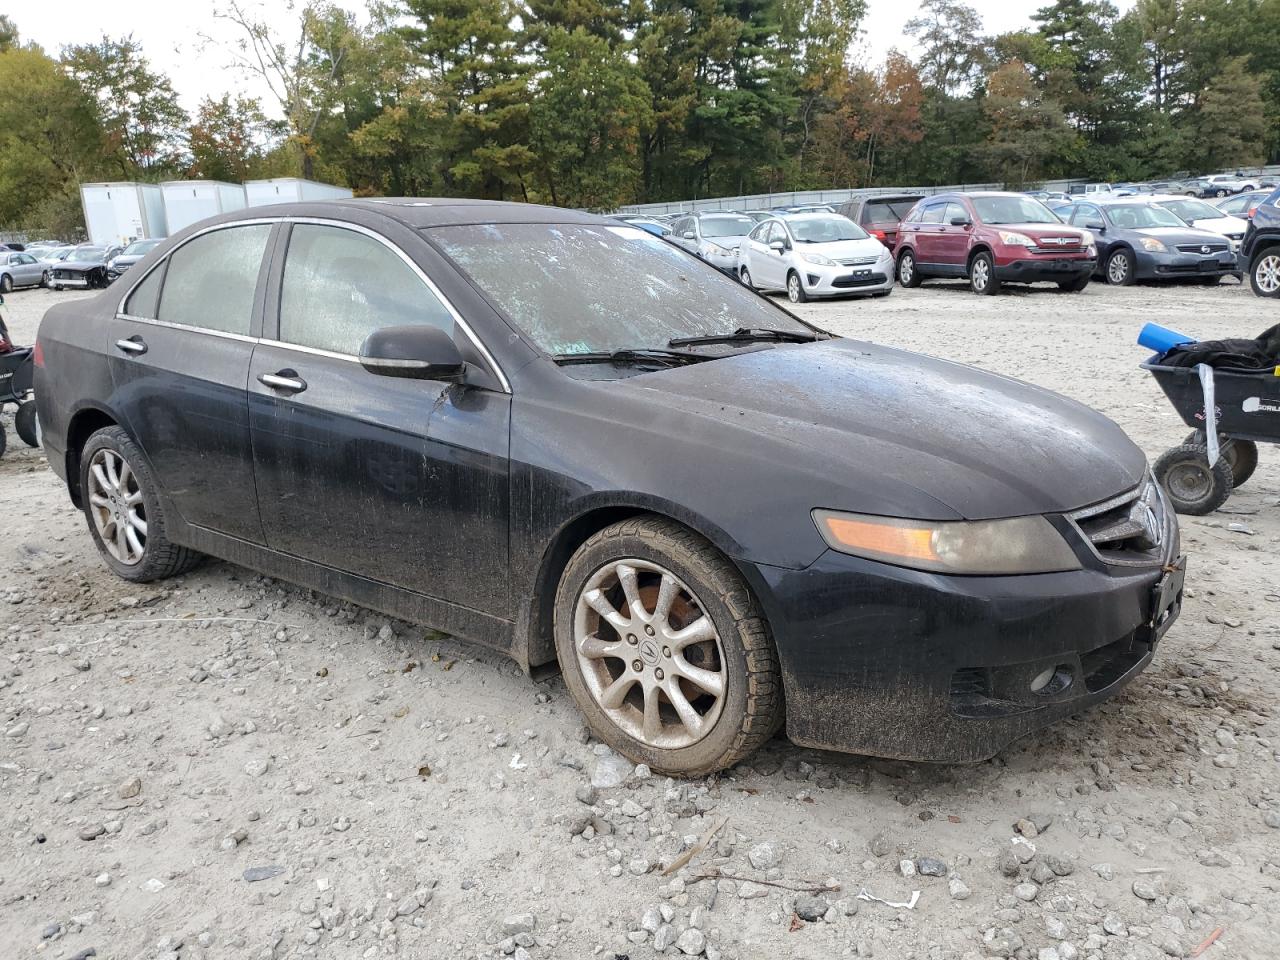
401 481
180 350
27 270
927 235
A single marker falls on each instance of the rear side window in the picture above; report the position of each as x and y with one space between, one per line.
210 281
886 211
340 286
933 213
145 297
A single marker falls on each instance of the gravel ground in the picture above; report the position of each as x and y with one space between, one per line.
223 765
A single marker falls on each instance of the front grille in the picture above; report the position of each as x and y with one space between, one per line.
869 280
1202 248
857 262
65 274
1128 529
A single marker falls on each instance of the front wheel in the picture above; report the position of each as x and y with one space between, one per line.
1120 268
1193 486
44 279
665 650
24 421
982 275
1264 275
745 276
6 284
908 275
795 289
120 501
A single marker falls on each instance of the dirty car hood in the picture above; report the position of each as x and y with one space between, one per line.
955 438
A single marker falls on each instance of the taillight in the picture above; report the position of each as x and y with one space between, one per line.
37 354
878 234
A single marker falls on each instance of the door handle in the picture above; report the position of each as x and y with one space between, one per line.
134 345
285 380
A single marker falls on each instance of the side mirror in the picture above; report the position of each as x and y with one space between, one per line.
416 352
1096 225
961 222
689 235
777 246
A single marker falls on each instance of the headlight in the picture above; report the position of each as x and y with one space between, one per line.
1154 245
1091 250
817 258
715 250
1016 239
991 547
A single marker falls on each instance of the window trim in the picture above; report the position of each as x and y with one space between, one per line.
458 320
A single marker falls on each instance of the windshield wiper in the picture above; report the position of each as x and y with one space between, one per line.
747 335
654 355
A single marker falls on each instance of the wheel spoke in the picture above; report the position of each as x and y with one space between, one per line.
701 629
112 466
601 605
133 499
612 696
137 523
126 474
122 541
667 593
100 475
708 680
627 577
133 540
98 500
688 716
652 718
595 648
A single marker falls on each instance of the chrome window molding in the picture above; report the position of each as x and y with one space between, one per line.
318 221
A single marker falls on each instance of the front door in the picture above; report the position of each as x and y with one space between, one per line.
773 261
180 354
400 481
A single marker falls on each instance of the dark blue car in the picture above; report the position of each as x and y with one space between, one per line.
1138 240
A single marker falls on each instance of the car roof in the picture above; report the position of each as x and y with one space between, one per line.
423 212
801 215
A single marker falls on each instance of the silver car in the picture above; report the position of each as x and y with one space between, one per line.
715 237
21 270
815 255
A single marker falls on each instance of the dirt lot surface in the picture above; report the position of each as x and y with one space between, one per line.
223 765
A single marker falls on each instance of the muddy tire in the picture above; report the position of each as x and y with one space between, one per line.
125 517
665 650
1194 488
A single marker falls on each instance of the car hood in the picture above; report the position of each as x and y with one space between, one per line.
903 434
844 249
1221 225
729 243
1175 234
1042 231
70 264
127 260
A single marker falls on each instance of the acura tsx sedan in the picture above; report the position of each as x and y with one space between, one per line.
560 436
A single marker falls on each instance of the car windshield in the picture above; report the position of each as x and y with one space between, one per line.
884 211
139 247
1191 210
726 226
1137 216
825 229
588 288
88 253
997 210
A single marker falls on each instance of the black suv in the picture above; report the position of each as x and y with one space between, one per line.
1261 247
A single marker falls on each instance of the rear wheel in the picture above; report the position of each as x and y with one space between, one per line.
664 649
795 289
4 440
1193 486
982 275
1264 275
24 421
908 275
1120 268
123 510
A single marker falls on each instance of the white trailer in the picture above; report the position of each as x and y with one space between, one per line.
188 201
259 193
119 212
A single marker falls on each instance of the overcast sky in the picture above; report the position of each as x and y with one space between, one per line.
171 35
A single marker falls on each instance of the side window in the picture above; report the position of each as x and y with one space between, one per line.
1088 213
933 213
145 297
955 210
340 286
26 258
210 281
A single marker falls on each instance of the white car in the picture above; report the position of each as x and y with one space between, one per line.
1204 216
815 255
715 237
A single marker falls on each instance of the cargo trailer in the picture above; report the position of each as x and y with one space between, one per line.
259 193
189 201
115 213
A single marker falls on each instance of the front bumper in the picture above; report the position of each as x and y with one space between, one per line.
843 281
1156 266
884 661
78 280
1050 269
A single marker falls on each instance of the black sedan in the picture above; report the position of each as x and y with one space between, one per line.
1140 240
560 436
85 267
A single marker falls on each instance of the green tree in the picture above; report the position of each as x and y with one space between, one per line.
950 35
1231 122
8 33
143 124
1026 130
227 137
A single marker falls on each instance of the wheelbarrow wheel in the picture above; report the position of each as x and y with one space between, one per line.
1193 486
1241 454
3 440
24 421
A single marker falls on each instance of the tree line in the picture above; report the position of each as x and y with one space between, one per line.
597 103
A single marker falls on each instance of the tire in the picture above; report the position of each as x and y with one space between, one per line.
1241 455
795 288
706 587
745 276
1120 268
159 557
1073 286
1264 273
1219 193
982 275
44 279
4 440
1194 488
6 283
24 421
908 275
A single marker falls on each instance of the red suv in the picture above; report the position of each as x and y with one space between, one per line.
992 238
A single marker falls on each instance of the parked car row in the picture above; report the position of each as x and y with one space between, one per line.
59 265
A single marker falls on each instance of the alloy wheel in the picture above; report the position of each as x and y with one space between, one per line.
1266 274
746 278
649 653
1118 268
117 508
44 279
981 274
906 267
793 288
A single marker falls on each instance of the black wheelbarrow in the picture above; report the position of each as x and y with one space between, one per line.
1247 410
15 387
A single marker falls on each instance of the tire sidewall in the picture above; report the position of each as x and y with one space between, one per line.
1253 273
705 754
